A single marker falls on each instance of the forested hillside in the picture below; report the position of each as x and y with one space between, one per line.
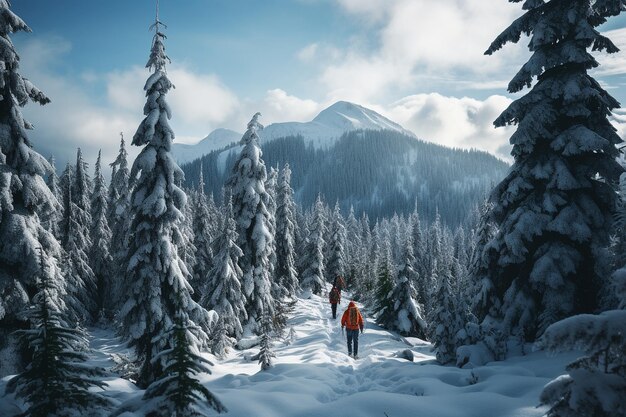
378 172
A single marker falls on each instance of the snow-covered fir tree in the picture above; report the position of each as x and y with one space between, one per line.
271 184
313 276
266 353
222 291
595 384
383 301
157 278
185 237
415 225
119 207
24 197
99 255
443 326
82 288
336 265
302 240
286 272
65 183
220 341
56 382
553 210
52 219
202 236
354 248
484 303
407 316
250 199
178 392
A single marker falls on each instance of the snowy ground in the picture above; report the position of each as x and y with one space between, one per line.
314 376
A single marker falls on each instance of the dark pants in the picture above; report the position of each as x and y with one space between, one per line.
334 308
353 339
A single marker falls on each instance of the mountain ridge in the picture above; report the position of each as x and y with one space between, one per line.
321 132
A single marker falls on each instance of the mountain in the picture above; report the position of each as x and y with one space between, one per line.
331 123
218 139
321 132
378 172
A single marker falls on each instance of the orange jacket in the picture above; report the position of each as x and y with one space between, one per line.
352 324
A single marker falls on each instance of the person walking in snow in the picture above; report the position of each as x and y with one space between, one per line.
334 297
339 283
352 320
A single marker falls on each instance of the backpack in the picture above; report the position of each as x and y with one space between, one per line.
334 296
353 317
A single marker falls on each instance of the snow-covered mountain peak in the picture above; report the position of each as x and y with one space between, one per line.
321 132
350 116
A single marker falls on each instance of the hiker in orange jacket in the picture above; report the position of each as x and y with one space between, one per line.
352 320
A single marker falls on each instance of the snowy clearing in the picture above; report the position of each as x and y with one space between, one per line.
314 376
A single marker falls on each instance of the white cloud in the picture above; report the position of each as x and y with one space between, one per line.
613 64
308 53
422 45
456 122
278 106
75 118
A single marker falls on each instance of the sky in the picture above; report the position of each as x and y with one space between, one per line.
418 62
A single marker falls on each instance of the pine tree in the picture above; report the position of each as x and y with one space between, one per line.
185 237
485 302
222 292
271 185
203 236
420 256
383 302
286 273
65 183
553 210
336 265
178 392
220 341
119 207
24 197
354 248
595 384
56 382
100 257
313 275
81 281
441 318
407 315
266 354
156 275
250 200
53 219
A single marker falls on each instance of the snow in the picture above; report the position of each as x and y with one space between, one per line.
313 376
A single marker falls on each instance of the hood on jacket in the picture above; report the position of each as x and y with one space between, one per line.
351 304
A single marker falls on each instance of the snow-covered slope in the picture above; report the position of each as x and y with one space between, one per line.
322 131
217 139
313 376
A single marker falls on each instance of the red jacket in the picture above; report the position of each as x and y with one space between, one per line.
352 318
334 296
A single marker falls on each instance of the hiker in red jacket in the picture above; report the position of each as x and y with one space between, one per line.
353 322
334 297
339 283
